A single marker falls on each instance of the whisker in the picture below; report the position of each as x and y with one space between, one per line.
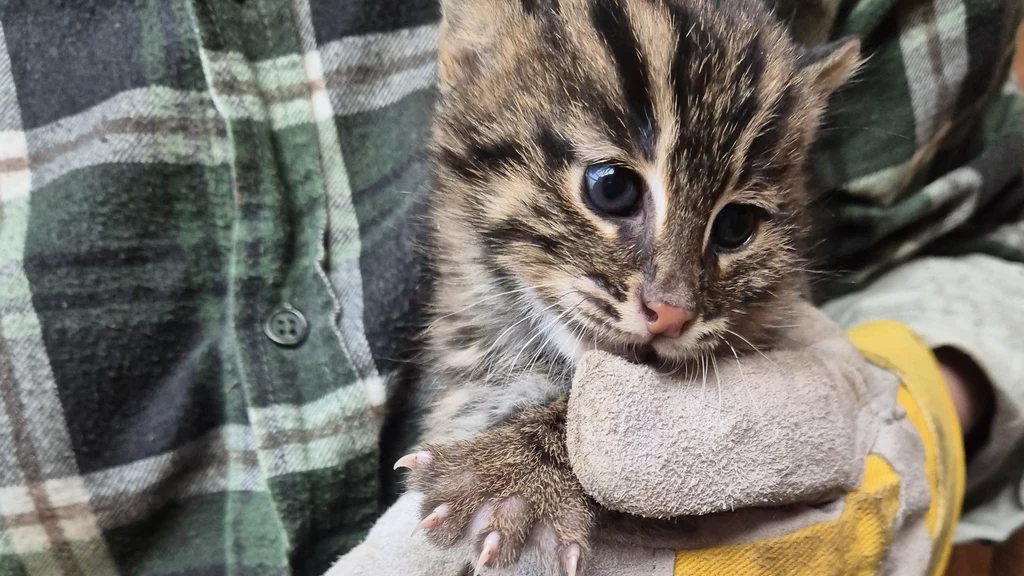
756 349
489 298
540 331
743 377
811 271
704 377
579 339
714 363
529 316
678 367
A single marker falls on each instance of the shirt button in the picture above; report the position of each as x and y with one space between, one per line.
286 326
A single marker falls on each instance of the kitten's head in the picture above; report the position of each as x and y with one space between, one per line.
632 168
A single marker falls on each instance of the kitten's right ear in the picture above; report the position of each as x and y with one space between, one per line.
828 66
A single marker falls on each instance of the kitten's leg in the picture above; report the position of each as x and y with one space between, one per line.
507 492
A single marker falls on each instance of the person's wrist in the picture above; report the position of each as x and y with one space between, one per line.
970 392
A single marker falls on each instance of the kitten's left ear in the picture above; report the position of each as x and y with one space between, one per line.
828 66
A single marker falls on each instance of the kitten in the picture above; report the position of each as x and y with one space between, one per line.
623 175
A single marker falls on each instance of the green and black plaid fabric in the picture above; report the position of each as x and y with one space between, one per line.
923 151
171 173
181 179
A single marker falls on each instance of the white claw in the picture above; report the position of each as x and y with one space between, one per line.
490 548
414 460
434 519
571 559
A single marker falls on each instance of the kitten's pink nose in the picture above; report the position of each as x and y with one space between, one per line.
665 319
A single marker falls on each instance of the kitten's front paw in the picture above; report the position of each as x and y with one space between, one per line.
504 503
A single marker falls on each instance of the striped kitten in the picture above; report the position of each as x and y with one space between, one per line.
623 175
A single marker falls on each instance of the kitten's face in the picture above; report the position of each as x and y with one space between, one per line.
630 168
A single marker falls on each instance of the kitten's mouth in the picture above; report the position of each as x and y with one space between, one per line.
639 350
636 351
646 354
642 354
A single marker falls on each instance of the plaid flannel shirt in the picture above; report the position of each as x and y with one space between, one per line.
206 281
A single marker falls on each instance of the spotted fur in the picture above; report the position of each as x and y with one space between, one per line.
710 102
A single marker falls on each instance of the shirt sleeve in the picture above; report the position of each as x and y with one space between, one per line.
974 304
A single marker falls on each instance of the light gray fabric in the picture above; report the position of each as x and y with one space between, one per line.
975 304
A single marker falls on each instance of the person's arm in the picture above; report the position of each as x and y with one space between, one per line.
971 391
969 310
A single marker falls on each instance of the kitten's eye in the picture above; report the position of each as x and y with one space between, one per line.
735 225
612 189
